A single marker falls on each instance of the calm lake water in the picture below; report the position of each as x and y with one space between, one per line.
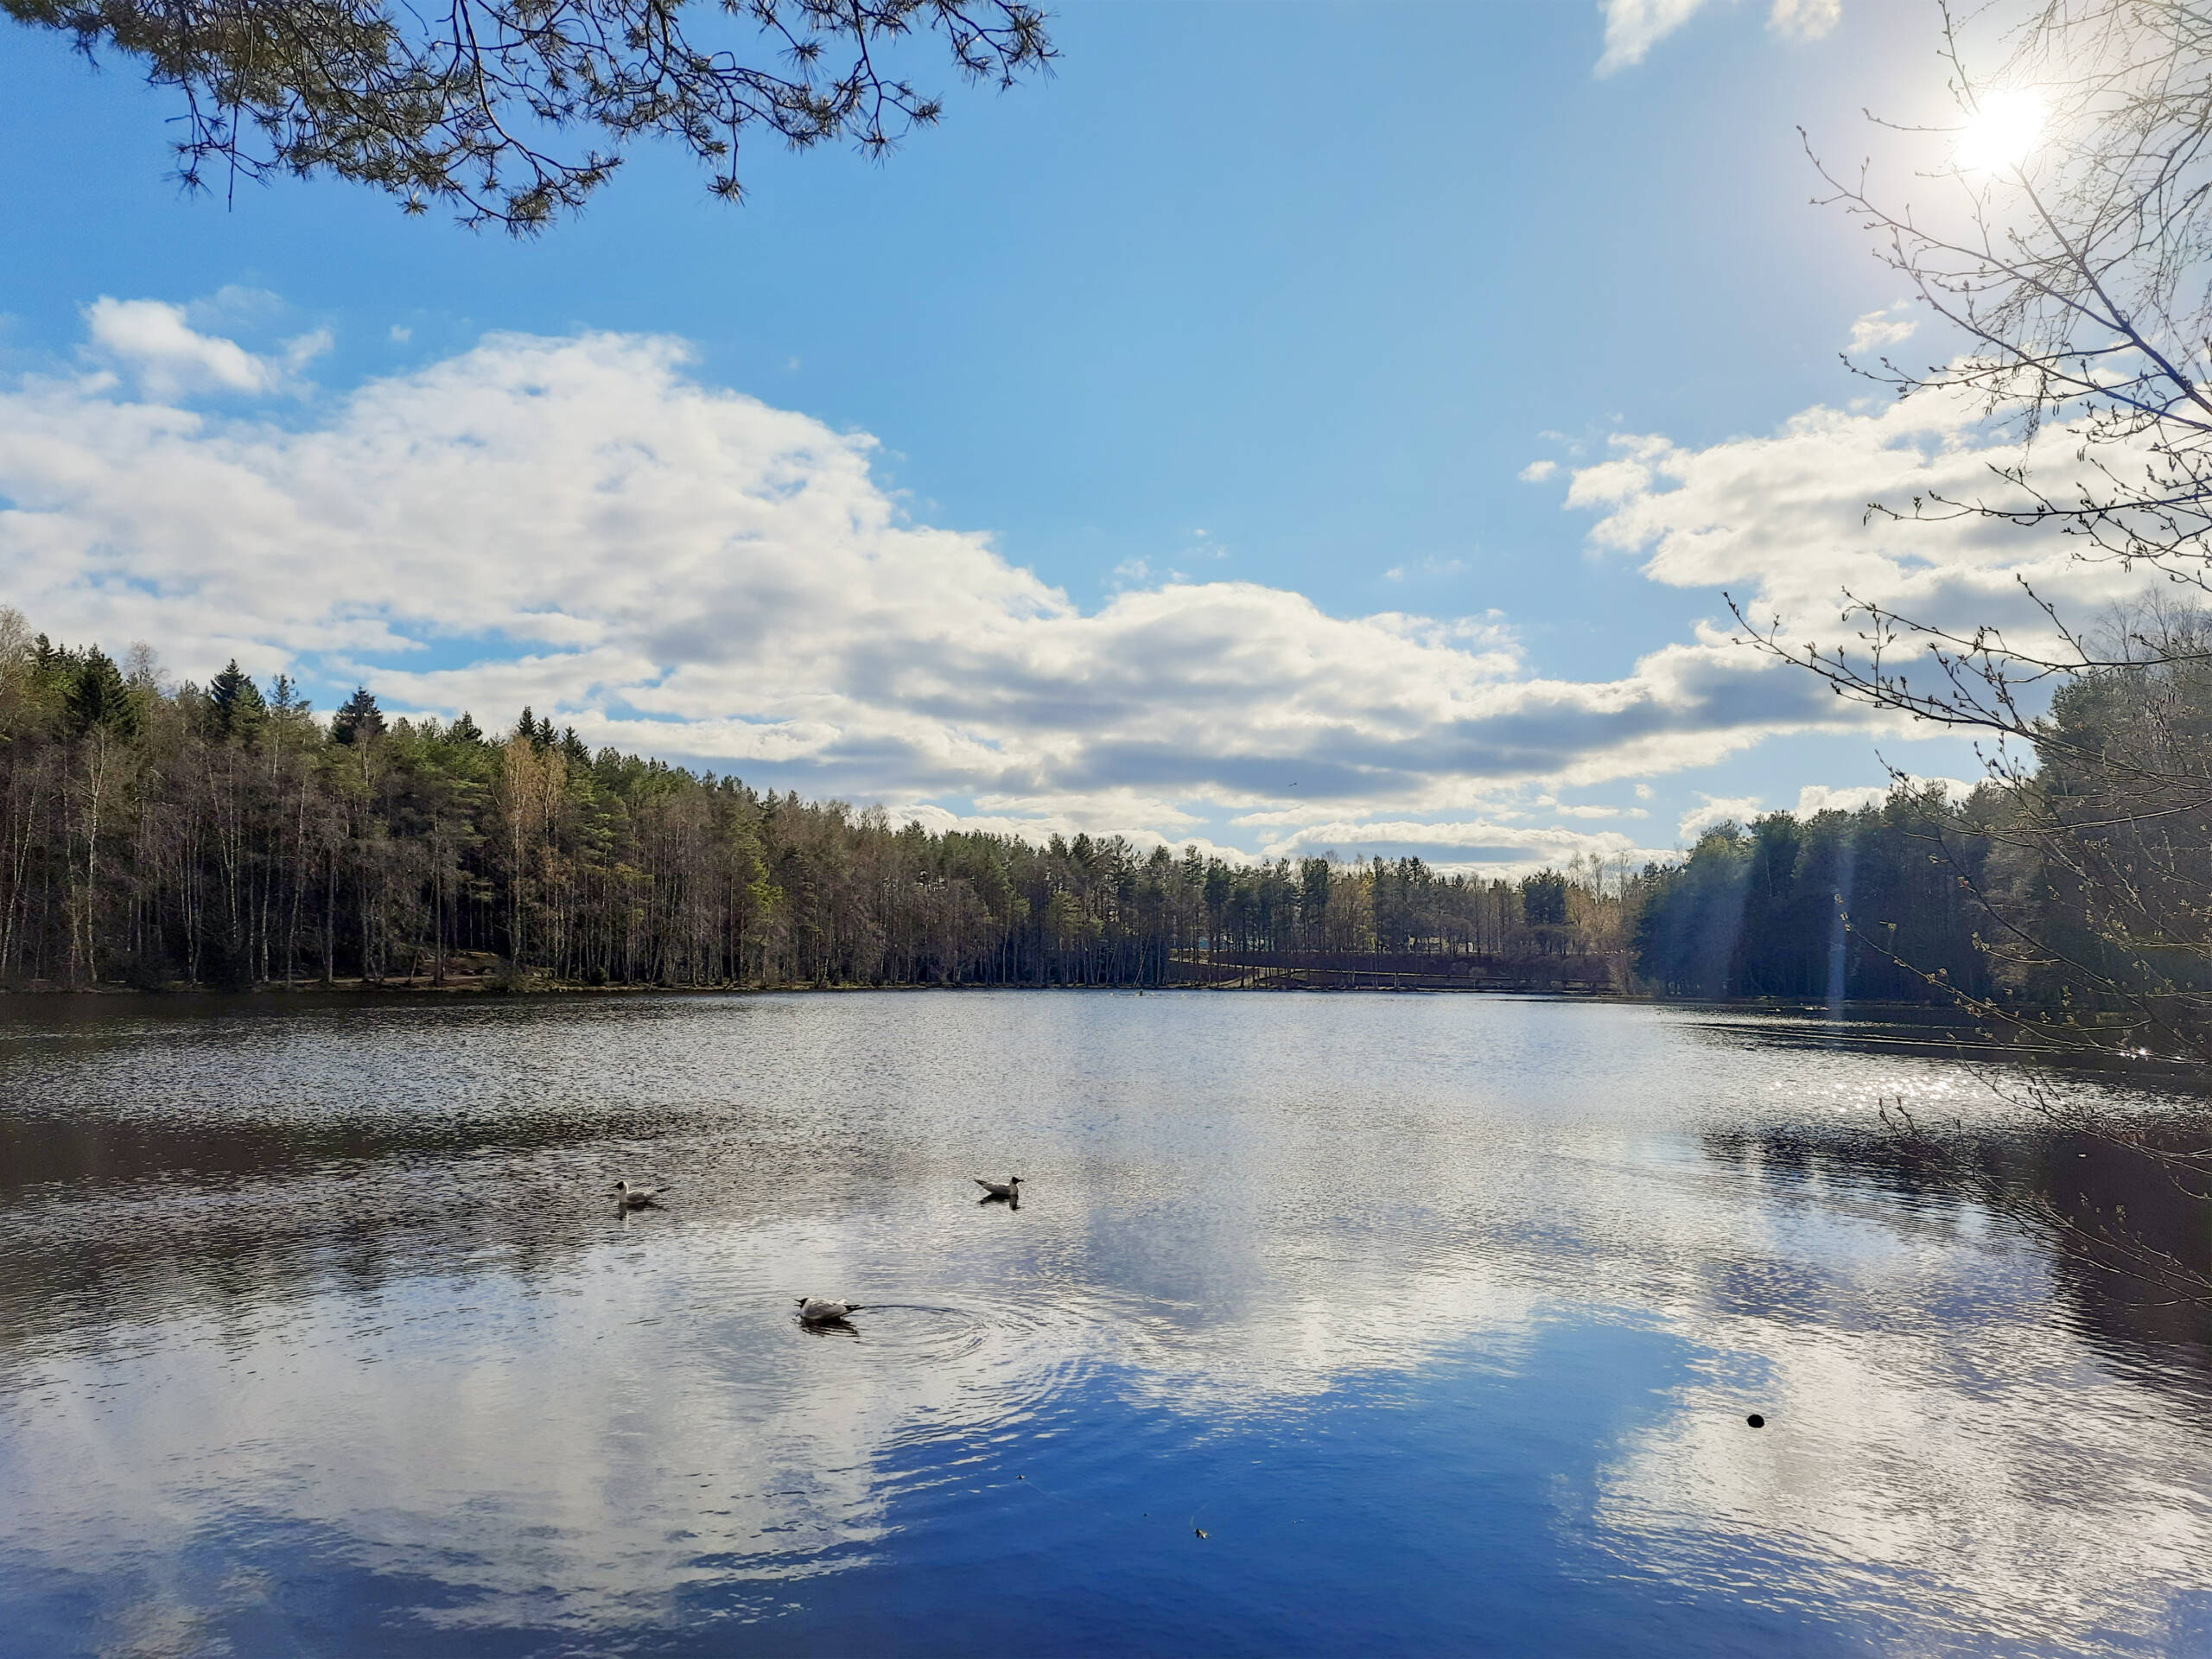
1327 1324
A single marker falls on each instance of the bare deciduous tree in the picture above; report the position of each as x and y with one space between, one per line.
2069 247
2070 252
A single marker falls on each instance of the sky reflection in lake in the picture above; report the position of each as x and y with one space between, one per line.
1439 1315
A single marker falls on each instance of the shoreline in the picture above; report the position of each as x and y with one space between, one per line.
475 986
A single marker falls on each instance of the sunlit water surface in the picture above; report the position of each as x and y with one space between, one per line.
1327 1324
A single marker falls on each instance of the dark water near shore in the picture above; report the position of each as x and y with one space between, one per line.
1439 1316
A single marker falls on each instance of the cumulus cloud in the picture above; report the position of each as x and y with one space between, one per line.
1804 20
157 343
1822 798
1537 471
1733 809
1811 799
1878 330
582 526
1634 27
1484 844
1782 522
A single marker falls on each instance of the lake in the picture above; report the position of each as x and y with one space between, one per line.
1327 1324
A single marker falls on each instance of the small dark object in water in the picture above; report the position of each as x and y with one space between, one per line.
1756 1420
1201 1531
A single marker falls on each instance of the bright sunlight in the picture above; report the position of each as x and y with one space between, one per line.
2000 137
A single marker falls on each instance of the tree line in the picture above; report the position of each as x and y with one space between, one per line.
2068 898
1840 906
227 834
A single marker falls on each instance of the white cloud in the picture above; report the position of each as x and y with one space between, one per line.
1782 521
303 349
1537 471
1634 27
581 526
1821 797
1804 20
1486 846
1880 329
1735 808
169 356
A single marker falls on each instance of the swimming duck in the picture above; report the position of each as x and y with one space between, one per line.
1006 1189
636 1198
818 1310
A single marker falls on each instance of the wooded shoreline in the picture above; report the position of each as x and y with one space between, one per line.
157 834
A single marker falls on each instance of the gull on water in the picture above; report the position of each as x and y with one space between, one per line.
819 1310
637 1198
1006 1189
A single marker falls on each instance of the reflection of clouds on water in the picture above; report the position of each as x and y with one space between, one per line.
1932 1474
532 1412
572 1464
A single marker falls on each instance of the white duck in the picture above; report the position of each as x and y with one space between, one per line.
637 1198
1009 1188
820 1310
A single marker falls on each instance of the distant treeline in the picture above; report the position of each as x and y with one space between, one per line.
226 835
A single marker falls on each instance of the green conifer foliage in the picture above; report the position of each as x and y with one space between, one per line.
358 718
1543 899
100 700
236 704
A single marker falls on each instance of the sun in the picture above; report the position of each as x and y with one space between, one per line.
2002 133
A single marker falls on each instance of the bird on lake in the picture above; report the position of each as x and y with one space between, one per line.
637 1198
819 1310
1009 1188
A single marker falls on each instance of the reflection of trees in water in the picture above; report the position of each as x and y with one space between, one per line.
224 1155
2111 1218
107 1225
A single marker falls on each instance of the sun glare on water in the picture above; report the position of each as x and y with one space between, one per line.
2002 132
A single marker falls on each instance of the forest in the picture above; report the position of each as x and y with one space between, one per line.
160 834
1885 904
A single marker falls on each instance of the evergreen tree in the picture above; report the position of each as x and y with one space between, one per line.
236 705
100 698
1543 899
358 718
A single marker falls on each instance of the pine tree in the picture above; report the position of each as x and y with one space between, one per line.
236 704
358 718
98 698
465 730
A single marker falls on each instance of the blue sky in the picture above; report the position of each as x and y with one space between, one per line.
1148 385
